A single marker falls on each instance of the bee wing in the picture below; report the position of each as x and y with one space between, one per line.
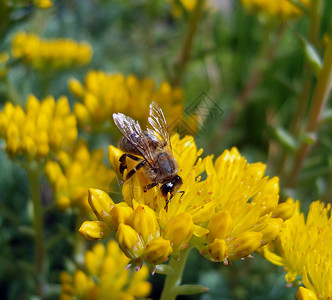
158 122
132 131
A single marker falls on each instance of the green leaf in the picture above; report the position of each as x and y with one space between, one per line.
190 289
311 55
164 269
285 138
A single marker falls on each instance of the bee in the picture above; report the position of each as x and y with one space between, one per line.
151 149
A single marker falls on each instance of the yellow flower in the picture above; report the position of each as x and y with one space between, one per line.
43 3
179 229
105 277
279 9
104 94
226 216
157 251
43 127
303 247
188 5
53 54
74 173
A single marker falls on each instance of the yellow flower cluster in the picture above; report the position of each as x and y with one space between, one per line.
303 247
226 216
105 277
74 173
104 94
279 9
45 126
50 54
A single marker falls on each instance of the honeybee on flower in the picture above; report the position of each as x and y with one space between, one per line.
152 150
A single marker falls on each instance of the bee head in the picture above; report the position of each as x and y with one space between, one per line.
171 186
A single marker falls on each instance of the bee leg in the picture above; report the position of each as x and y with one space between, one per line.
168 201
180 192
133 171
123 161
150 186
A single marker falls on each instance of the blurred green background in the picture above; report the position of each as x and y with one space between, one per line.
144 38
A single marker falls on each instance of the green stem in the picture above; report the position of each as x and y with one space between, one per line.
34 182
315 21
173 280
320 98
302 102
187 45
303 98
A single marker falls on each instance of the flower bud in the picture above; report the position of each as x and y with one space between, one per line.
217 251
12 146
76 88
82 282
140 289
179 230
220 226
244 244
114 155
28 146
62 107
94 258
121 213
91 103
129 241
285 210
269 229
270 195
63 202
145 223
94 230
81 113
157 251
52 170
101 204
305 294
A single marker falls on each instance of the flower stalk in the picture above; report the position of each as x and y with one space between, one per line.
320 98
188 41
173 280
34 183
315 21
303 97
